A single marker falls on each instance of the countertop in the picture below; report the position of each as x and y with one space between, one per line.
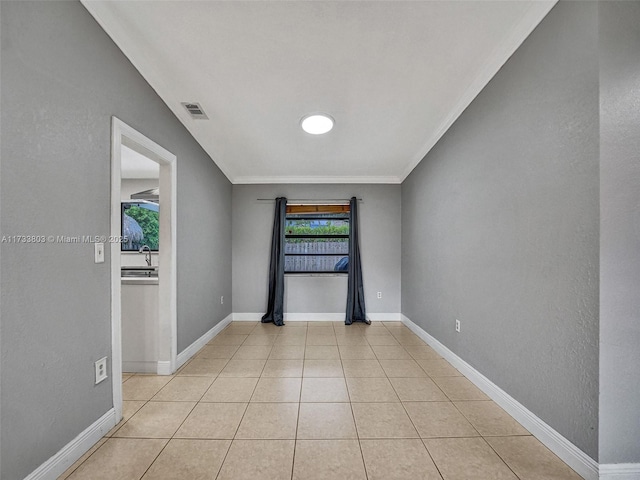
139 280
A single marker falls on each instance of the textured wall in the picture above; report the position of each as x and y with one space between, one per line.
62 80
500 228
620 232
204 246
379 245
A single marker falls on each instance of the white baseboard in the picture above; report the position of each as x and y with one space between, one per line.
619 471
247 317
384 317
292 317
72 451
163 367
185 355
563 448
315 317
159 367
140 366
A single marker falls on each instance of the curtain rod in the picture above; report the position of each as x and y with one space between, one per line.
312 201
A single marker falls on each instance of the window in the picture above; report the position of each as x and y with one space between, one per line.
316 239
140 225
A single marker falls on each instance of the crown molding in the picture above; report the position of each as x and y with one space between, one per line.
316 179
518 34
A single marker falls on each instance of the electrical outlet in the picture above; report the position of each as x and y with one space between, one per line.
379 294
457 325
101 370
222 300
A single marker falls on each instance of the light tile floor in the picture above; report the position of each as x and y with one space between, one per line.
317 400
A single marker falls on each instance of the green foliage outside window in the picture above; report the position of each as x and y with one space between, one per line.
320 231
150 223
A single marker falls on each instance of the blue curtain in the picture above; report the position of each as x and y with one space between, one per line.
356 311
275 303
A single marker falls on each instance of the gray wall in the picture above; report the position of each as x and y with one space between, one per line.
619 232
500 228
380 250
62 80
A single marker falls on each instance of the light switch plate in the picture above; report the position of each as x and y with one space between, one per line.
99 252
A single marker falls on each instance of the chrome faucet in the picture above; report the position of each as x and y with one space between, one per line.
147 256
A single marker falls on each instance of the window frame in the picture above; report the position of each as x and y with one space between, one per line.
316 212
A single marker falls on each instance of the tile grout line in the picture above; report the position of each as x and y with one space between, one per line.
411 420
241 418
403 407
351 404
295 440
353 415
187 416
500 457
155 458
431 457
304 359
336 438
134 413
106 439
465 417
150 438
253 393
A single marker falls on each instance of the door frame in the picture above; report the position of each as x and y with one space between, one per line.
123 134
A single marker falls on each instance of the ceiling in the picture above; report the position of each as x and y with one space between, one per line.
395 75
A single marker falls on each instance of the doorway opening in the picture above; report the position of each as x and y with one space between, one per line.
164 334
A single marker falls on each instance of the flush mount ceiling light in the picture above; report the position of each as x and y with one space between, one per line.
317 123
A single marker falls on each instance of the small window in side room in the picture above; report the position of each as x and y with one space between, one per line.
317 239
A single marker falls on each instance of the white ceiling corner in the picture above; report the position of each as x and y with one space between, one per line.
394 75
136 165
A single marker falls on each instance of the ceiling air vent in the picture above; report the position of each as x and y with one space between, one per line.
195 110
